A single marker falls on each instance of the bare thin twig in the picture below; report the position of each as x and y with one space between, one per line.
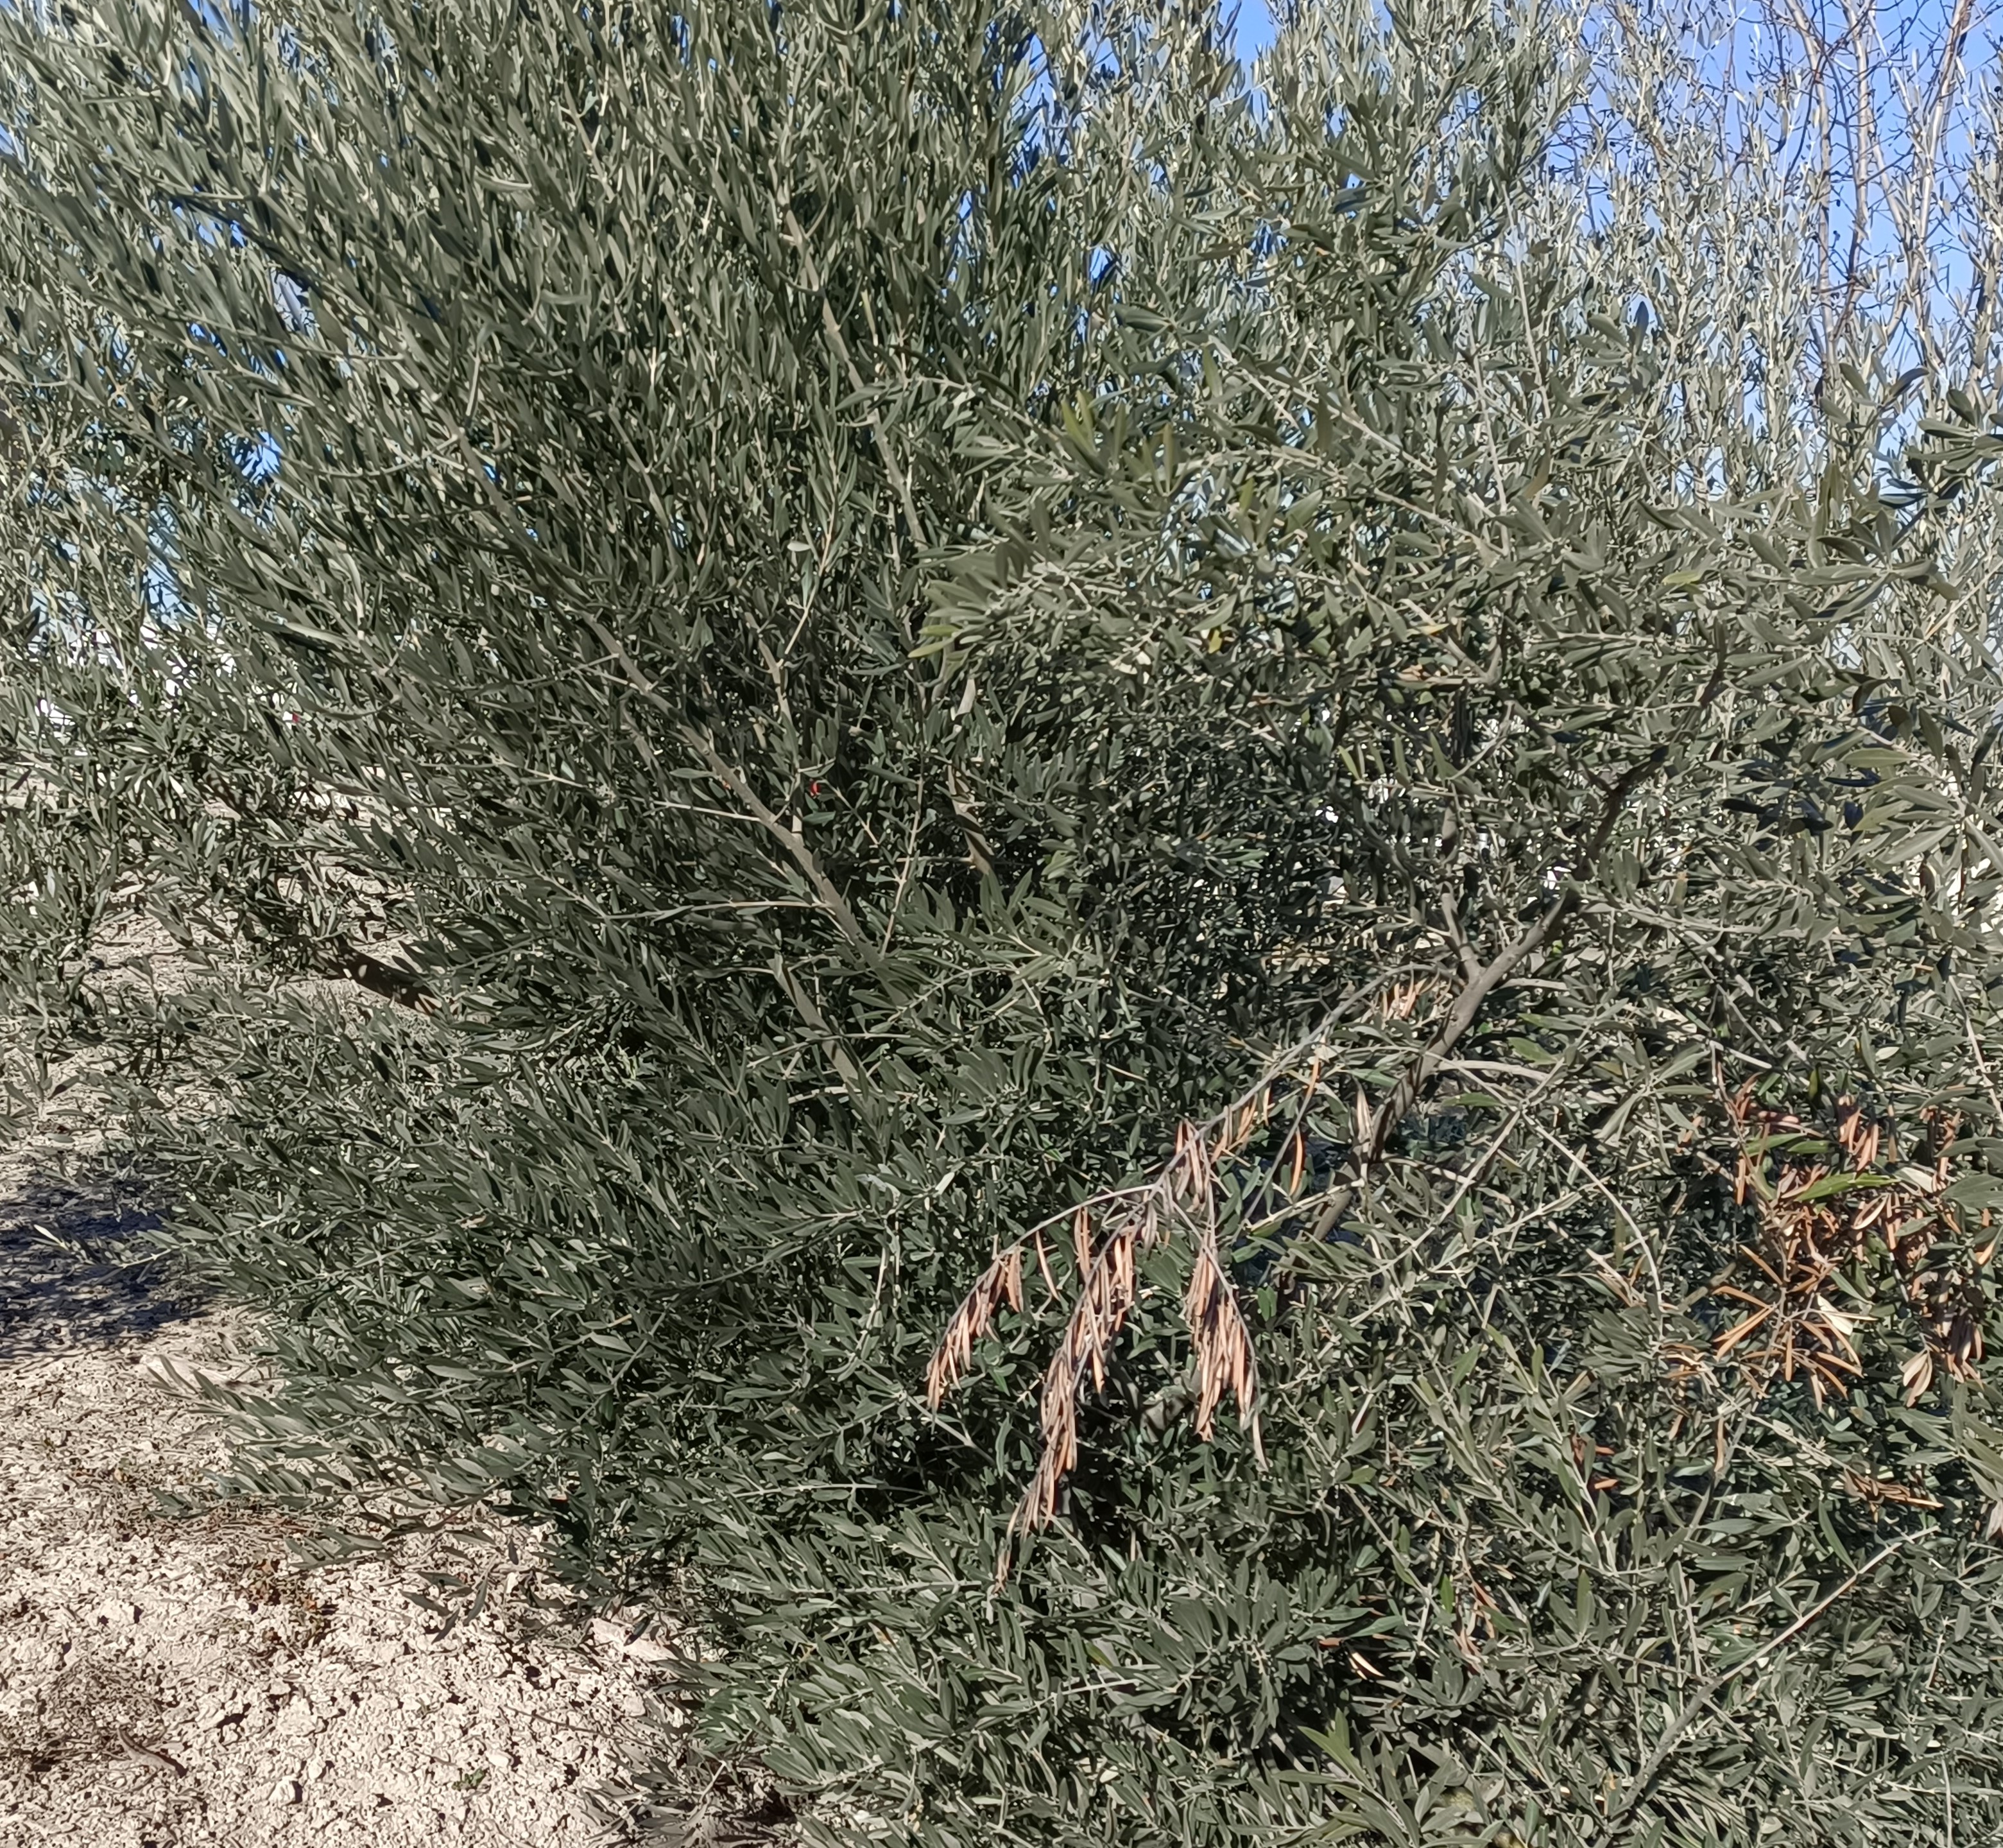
1692 1709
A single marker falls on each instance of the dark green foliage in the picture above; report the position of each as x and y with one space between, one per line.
871 614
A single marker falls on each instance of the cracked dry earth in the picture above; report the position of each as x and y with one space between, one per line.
182 1680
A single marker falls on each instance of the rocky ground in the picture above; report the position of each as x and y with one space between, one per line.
175 1677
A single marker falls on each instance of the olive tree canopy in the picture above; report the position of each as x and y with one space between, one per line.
1174 891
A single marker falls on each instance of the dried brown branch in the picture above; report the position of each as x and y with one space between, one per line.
1109 1233
1109 1230
1000 1282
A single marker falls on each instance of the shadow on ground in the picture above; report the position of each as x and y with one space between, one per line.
74 1269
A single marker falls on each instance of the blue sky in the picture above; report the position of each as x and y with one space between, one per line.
1915 19
1255 28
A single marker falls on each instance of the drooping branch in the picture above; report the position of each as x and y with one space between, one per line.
1181 1199
1109 1231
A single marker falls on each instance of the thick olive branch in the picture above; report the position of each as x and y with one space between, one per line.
1486 978
732 779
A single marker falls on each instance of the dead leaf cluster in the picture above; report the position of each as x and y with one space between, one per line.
1180 1204
1821 1200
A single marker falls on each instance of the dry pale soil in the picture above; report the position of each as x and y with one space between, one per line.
174 1674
